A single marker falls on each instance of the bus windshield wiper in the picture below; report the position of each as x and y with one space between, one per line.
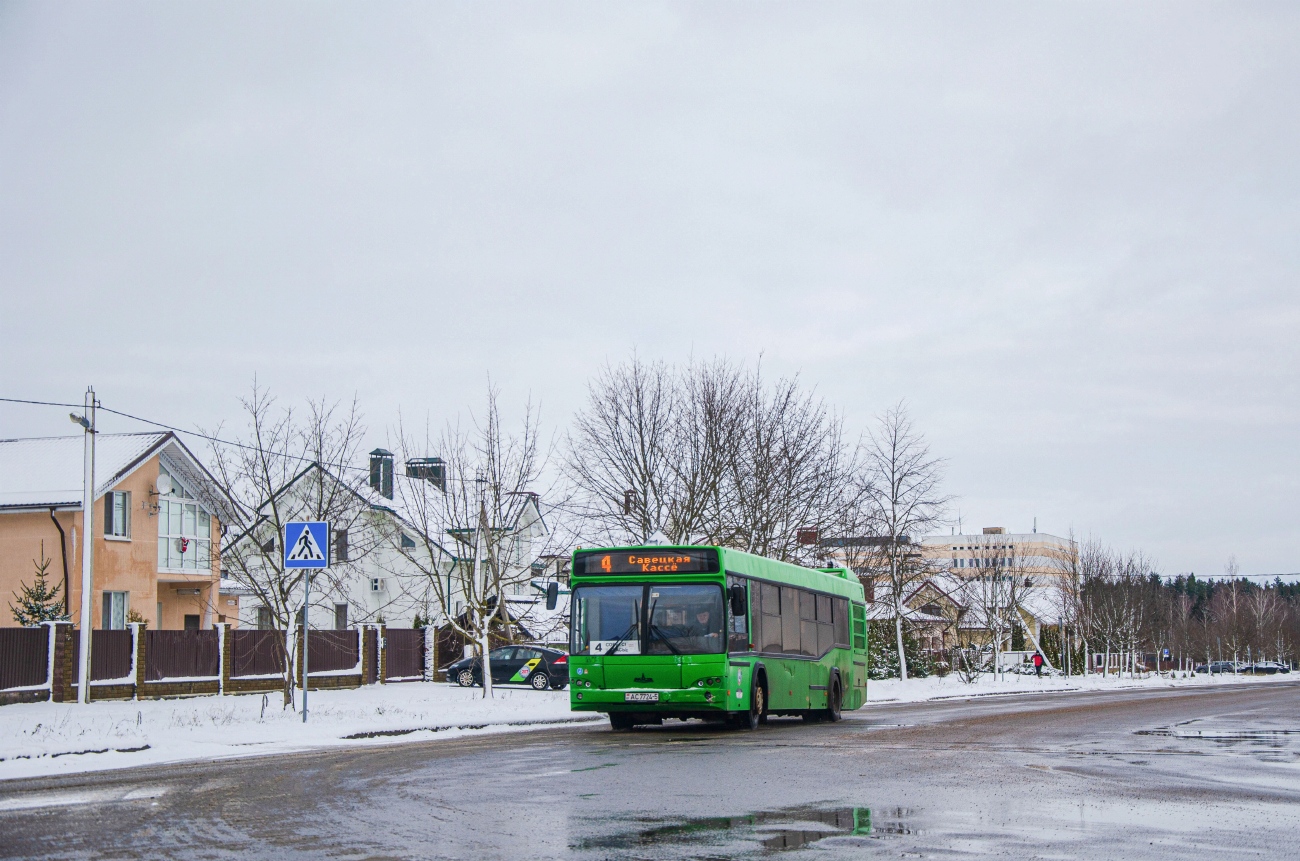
630 628
654 629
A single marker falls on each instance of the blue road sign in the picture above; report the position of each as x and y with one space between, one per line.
306 545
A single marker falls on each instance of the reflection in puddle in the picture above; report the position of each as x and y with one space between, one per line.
766 831
1273 743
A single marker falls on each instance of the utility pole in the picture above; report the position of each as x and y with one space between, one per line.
87 423
481 587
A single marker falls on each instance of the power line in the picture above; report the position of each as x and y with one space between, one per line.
39 403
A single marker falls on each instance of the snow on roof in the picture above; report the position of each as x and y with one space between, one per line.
39 472
44 472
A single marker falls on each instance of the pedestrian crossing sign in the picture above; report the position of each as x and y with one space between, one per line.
306 545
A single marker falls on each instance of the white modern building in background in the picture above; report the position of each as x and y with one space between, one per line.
1036 555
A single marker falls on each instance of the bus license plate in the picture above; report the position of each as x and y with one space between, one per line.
641 697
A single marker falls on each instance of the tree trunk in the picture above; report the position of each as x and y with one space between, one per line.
898 630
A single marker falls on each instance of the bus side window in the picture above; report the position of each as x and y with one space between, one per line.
808 644
840 608
768 635
790 620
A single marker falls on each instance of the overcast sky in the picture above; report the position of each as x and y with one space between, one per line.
1065 233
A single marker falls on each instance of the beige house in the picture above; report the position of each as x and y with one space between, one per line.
158 517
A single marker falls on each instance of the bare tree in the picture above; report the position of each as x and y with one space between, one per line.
904 500
790 472
709 453
290 465
484 504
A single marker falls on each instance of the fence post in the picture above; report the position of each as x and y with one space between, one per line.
222 652
365 637
137 658
49 655
227 656
382 631
61 662
430 654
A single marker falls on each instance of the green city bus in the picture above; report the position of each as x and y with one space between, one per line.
715 634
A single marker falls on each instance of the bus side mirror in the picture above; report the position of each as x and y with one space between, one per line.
552 594
737 599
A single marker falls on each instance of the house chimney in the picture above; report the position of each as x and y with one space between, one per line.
381 472
431 469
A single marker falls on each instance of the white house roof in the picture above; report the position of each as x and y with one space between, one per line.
41 472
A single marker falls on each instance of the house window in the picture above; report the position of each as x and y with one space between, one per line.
184 532
408 543
264 620
340 617
340 546
115 610
117 514
191 622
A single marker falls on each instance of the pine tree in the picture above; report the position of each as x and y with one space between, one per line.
38 603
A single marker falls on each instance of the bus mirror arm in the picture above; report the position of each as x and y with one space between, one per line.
552 594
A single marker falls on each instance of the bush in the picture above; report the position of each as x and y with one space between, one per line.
883 652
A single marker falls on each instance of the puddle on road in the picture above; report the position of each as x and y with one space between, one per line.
757 833
1275 743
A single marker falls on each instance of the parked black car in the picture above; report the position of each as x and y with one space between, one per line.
535 666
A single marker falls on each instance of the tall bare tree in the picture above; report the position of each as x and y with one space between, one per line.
709 453
905 500
477 524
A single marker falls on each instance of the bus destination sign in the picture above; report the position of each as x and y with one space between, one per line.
648 560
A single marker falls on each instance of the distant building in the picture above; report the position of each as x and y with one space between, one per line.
158 519
1035 555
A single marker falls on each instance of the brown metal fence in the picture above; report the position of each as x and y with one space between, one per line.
257 653
24 657
181 655
405 653
110 655
331 650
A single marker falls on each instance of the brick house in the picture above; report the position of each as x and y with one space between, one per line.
158 515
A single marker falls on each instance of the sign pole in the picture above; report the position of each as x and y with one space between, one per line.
306 627
306 547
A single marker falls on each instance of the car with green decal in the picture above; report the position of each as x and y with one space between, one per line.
536 666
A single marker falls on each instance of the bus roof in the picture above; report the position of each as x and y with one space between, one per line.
837 581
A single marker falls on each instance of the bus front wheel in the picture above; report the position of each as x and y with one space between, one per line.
757 706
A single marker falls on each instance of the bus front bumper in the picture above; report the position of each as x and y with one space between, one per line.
597 699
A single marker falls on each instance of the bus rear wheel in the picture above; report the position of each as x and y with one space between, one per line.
835 702
621 722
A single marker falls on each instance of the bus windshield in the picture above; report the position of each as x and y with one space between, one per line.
676 620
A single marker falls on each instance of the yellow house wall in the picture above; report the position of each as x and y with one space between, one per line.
120 564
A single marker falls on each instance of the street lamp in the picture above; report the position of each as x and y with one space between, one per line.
87 423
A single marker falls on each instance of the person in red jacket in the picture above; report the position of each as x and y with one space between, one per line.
1038 664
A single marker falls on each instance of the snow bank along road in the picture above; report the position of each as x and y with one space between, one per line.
45 739
1174 773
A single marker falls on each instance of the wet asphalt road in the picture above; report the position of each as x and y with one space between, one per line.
1150 774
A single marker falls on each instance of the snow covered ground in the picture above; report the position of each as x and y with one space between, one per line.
916 690
42 739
